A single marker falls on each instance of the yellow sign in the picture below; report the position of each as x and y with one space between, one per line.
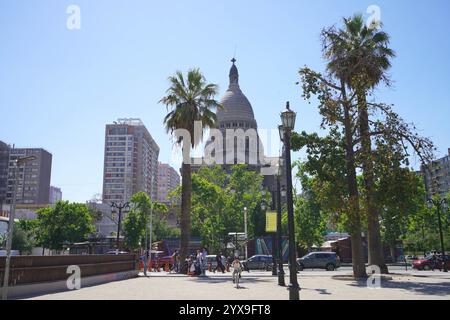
271 221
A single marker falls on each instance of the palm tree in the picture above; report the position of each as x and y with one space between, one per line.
359 55
189 99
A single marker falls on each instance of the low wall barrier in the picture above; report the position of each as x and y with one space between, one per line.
33 274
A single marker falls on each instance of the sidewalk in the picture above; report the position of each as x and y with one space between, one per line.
260 287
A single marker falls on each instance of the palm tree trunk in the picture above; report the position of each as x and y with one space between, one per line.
375 246
359 268
185 223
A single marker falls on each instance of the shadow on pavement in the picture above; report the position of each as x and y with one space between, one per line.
226 279
321 291
440 288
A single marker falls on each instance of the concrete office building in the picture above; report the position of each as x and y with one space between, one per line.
33 183
437 177
130 161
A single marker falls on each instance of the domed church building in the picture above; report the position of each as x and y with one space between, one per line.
238 141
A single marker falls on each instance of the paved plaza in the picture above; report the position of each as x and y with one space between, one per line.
316 285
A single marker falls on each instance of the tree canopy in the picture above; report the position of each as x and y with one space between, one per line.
63 224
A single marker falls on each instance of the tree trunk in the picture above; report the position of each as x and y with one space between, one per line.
359 268
375 246
185 220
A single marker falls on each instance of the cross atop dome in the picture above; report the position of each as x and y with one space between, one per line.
234 74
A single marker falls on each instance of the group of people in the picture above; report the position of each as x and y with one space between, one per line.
437 261
197 264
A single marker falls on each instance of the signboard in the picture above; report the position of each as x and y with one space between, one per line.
271 221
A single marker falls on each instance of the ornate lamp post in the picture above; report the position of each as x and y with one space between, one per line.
119 206
17 163
280 193
440 204
288 123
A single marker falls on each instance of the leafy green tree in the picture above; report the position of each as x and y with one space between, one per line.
246 193
138 219
310 220
133 229
208 211
23 240
161 229
358 58
218 202
398 193
65 223
337 108
422 230
191 99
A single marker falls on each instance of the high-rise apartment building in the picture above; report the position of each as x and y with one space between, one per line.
33 181
130 162
168 180
437 176
55 195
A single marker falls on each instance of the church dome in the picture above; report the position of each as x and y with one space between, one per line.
237 110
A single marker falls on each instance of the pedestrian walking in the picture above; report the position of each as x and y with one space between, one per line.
223 260
204 261
433 261
198 263
175 263
219 264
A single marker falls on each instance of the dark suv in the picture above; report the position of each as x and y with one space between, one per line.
319 260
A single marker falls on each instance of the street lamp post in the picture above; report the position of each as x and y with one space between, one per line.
274 253
279 240
17 162
245 231
119 206
444 205
148 245
288 121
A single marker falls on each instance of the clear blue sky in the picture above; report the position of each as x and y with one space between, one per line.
58 88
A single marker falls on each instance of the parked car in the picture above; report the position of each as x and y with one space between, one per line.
409 258
427 263
319 260
258 262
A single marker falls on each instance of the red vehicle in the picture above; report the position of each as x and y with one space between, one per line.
427 263
157 257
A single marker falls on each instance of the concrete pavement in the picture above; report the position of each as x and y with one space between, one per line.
316 285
